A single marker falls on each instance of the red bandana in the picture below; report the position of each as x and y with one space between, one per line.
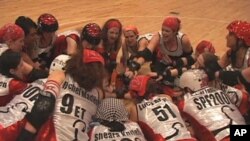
11 32
139 84
172 22
114 24
205 46
241 29
90 56
131 28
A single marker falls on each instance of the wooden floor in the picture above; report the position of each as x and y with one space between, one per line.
201 19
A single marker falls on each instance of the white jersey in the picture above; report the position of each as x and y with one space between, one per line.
4 85
21 104
163 117
206 104
237 96
132 132
73 112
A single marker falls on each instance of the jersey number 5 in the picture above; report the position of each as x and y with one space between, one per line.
161 114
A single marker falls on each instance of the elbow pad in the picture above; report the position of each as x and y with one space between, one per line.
190 60
185 54
180 63
146 54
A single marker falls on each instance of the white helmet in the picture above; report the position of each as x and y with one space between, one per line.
59 63
193 79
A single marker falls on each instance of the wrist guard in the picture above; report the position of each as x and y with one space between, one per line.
134 66
178 63
42 109
146 54
190 60
166 74
179 71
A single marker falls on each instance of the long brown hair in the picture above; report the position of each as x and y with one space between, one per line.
87 75
105 29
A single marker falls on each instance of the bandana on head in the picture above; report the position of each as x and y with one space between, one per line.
11 32
205 46
90 56
139 84
114 23
131 28
172 22
241 29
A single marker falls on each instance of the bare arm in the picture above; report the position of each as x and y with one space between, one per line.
154 42
246 74
187 47
71 46
28 60
143 43
131 108
224 61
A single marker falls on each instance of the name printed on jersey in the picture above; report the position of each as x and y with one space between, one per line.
209 97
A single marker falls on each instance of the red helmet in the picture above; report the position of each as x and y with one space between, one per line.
10 32
47 22
172 22
92 33
241 29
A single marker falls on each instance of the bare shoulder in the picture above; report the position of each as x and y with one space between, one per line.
186 43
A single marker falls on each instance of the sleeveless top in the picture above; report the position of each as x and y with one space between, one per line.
162 50
74 110
204 105
163 117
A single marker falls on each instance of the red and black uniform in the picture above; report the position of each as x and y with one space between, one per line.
60 44
9 87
